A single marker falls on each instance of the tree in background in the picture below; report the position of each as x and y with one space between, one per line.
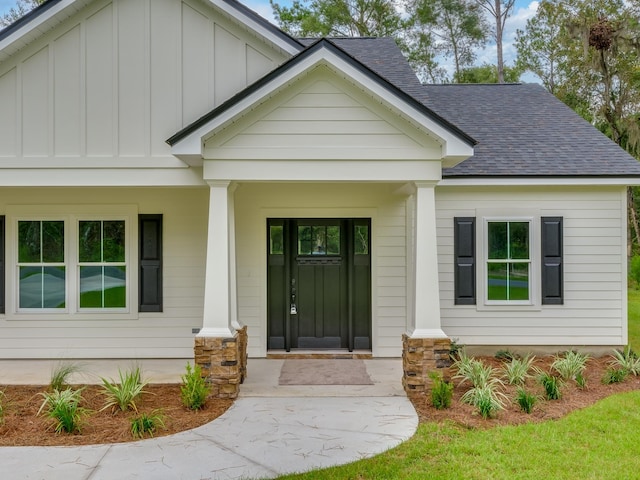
22 7
454 29
540 46
347 18
499 11
487 73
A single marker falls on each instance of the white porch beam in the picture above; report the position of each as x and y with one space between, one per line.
220 303
426 322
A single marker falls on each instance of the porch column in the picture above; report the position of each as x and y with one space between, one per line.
427 288
425 348
217 287
220 348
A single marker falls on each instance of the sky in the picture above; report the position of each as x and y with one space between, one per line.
524 9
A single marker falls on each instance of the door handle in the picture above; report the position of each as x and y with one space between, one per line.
294 309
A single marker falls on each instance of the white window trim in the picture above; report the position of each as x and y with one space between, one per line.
482 252
71 215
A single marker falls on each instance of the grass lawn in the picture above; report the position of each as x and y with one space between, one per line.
594 443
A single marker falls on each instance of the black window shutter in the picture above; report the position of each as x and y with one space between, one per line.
464 246
2 263
552 276
150 258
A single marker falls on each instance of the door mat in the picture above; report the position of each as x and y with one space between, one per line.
324 372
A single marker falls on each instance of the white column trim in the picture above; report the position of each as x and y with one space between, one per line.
216 320
426 298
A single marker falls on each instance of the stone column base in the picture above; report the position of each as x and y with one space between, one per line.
420 357
223 362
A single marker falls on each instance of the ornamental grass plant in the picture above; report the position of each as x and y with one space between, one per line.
124 396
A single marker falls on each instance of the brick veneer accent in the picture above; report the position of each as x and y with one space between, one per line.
223 362
420 357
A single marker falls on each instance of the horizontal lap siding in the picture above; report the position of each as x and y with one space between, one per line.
594 310
165 334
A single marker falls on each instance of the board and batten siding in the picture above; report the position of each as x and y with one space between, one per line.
166 334
110 84
256 202
594 310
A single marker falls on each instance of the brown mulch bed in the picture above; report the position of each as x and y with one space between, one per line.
22 425
573 398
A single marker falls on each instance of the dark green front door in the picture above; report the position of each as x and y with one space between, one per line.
319 284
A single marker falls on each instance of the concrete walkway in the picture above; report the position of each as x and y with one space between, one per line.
269 431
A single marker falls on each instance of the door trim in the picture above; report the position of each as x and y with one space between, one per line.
358 277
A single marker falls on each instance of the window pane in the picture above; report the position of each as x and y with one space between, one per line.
89 241
519 239
53 292
90 287
29 242
115 287
42 287
113 238
304 240
519 281
30 287
103 287
276 241
497 232
53 242
333 240
497 281
319 241
362 240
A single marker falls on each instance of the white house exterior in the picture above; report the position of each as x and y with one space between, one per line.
177 169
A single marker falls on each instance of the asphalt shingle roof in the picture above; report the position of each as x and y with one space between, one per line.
521 129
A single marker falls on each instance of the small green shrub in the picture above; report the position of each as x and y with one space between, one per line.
455 349
614 375
570 365
551 385
526 401
486 398
506 355
581 381
517 370
125 394
194 389
441 392
60 374
627 360
146 423
473 371
63 407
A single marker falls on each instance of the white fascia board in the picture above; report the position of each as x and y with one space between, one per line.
35 23
540 181
453 147
256 27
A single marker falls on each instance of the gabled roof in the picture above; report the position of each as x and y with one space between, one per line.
51 12
330 45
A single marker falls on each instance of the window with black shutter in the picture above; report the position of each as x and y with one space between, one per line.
150 259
